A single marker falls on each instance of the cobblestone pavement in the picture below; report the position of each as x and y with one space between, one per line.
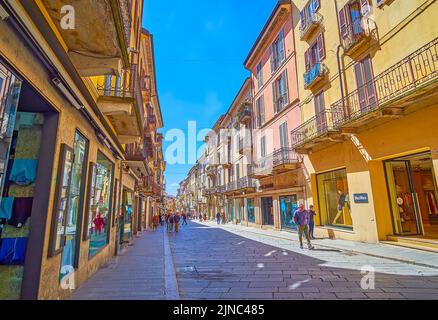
227 263
138 273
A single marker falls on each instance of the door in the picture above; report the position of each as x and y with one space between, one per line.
366 92
403 198
268 211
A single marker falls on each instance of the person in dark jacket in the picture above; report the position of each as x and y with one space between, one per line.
218 218
301 219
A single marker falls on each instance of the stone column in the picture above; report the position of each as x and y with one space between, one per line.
245 211
276 210
258 210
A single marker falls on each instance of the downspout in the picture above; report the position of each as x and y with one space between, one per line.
338 59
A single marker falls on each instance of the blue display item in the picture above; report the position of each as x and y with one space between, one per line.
13 251
6 205
23 171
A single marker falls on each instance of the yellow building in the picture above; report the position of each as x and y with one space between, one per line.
73 116
367 73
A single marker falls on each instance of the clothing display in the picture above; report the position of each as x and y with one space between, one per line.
431 203
23 171
13 251
6 207
21 210
10 231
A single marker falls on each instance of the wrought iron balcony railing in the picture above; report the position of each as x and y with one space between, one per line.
245 115
354 33
136 151
284 156
316 73
309 24
414 71
124 86
316 126
246 182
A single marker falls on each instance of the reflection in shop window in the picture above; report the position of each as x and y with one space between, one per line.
99 206
251 214
334 199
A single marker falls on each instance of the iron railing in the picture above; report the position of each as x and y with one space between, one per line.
316 72
316 126
245 182
244 115
231 186
284 156
124 86
359 29
413 71
309 24
136 151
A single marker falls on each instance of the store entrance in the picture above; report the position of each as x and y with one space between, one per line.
413 196
268 211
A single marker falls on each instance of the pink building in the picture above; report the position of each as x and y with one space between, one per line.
272 64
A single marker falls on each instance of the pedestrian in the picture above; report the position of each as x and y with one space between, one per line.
171 221
184 217
312 215
176 220
218 218
205 217
155 222
223 217
301 219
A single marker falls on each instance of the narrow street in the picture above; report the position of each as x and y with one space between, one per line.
206 261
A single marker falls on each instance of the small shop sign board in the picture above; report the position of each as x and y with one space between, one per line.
361 198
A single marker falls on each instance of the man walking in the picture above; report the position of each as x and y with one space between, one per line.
176 220
218 218
184 216
301 219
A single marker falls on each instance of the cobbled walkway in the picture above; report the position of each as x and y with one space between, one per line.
225 263
206 261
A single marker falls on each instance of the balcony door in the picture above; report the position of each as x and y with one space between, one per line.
365 86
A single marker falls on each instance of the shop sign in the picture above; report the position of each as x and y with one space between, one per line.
361 198
267 186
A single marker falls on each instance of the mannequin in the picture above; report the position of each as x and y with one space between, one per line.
342 201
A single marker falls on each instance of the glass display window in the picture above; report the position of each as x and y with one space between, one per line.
251 212
334 199
288 206
99 204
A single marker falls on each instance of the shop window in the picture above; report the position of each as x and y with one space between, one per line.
334 199
250 208
288 206
127 209
99 204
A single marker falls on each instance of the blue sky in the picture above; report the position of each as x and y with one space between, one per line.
200 46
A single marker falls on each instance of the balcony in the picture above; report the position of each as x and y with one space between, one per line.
358 36
246 184
315 75
284 159
120 100
245 116
231 187
261 168
309 25
391 92
211 170
317 129
99 43
149 187
245 146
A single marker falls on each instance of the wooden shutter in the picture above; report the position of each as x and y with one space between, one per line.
274 95
282 54
321 46
365 7
307 60
285 92
343 22
262 110
271 54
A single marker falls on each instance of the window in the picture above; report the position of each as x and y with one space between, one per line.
250 209
263 147
350 18
237 171
277 52
283 135
99 203
260 109
316 53
364 80
308 12
259 75
334 199
280 92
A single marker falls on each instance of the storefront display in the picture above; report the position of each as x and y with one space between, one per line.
413 195
18 185
334 199
288 206
267 211
99 203
127 209
250 208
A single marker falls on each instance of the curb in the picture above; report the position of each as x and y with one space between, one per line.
170 282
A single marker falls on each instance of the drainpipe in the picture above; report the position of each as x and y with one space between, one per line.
338 59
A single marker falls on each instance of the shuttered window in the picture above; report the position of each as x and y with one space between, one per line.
260 109
263 147
277 52
283 135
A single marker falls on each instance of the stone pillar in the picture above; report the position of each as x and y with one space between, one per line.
245 211
258 211
276 210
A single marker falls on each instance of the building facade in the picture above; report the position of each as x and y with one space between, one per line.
73 110
341 120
